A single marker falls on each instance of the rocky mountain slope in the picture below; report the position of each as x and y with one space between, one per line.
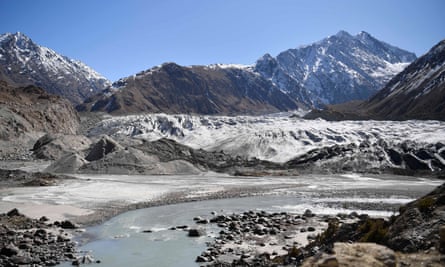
23 62
418 92
337 69
172 88
31 109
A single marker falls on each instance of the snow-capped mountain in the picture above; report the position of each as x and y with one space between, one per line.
417 92
337 69
213 89
23 62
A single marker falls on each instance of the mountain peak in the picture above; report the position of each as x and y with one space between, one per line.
23 62
19 39
343 34
364 34
336 69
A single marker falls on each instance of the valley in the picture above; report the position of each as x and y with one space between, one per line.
274 146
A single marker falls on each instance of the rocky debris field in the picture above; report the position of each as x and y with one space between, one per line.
30 242
258 237
415 237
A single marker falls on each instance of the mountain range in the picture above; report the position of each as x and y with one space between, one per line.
336 69
23 63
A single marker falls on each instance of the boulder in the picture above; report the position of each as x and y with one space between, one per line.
13 212
21 259
196 232
201 259
308 213
9 250
67 225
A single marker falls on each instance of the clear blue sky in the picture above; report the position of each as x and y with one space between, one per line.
119 38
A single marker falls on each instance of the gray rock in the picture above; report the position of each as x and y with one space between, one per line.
308 213
21 259
196 232
13 212
67 225
201 259
9 250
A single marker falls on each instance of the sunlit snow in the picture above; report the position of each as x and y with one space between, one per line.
272 137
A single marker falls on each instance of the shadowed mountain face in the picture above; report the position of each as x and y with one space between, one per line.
31 109
172 88
23 62
418 92
337 69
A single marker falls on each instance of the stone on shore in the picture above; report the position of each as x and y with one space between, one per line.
196 232
25 241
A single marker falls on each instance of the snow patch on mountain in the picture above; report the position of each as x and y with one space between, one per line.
389 70
230 66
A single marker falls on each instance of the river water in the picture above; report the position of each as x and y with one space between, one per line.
121 241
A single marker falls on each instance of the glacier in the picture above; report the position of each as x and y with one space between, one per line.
276 137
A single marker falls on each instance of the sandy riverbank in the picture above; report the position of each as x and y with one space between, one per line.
92 199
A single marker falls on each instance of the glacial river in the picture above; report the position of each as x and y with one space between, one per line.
121 241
